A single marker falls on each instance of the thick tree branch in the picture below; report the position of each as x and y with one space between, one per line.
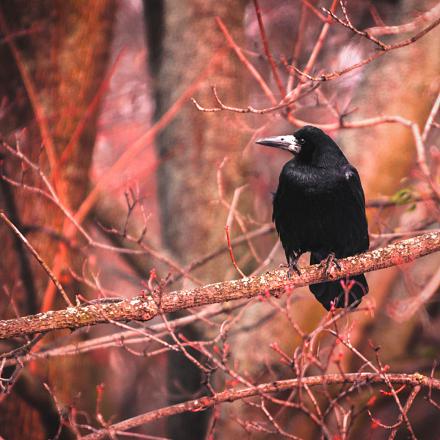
147 306
359 379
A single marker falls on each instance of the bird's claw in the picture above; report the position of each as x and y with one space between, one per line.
329 263
293 269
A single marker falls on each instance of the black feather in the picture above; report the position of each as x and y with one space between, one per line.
319 207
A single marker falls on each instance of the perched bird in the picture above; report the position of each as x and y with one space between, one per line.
319 207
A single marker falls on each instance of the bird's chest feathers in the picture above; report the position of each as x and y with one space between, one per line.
307 185
311 206
306 201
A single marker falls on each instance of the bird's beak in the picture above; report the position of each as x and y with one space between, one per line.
287 142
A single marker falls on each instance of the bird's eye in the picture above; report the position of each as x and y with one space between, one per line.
302 141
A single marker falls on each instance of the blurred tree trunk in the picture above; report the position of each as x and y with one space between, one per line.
190 149
54 57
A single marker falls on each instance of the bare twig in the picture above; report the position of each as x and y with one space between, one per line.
242 57
430 121
298 44
133 150
411 26
33 95
319 42
386 48
289 100
347 24
407 407
267 51
231 252
405 308
37 257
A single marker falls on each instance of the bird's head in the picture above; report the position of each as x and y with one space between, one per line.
308 144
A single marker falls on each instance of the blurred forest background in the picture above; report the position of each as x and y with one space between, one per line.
121 183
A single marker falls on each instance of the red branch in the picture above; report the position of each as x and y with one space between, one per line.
360 379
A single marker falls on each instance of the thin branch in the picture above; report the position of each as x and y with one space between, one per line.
144 308
407 407
407 307
347 23
387 202
267 51
231 252
253 71
431 117
31 90
228 226
387 47
411 26
120 339
51 195
263 230
249 109
298 46
320 41
312 8
132 151
233 213
369 122
281 432
37 257
415 380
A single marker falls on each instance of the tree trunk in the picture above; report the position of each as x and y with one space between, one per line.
190 149
54 57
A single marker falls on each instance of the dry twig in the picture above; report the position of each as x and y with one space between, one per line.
359 379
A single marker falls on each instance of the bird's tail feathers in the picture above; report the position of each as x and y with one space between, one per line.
342 293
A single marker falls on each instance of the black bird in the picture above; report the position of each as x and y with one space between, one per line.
319 207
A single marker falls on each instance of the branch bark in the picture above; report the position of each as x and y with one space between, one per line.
359 379
146 307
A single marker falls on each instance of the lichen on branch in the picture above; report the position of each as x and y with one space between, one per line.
276 282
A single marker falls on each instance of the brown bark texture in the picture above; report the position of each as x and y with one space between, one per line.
275 283
54 58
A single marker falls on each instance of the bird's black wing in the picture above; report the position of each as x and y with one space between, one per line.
348 224
284 207
356 192
321 210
